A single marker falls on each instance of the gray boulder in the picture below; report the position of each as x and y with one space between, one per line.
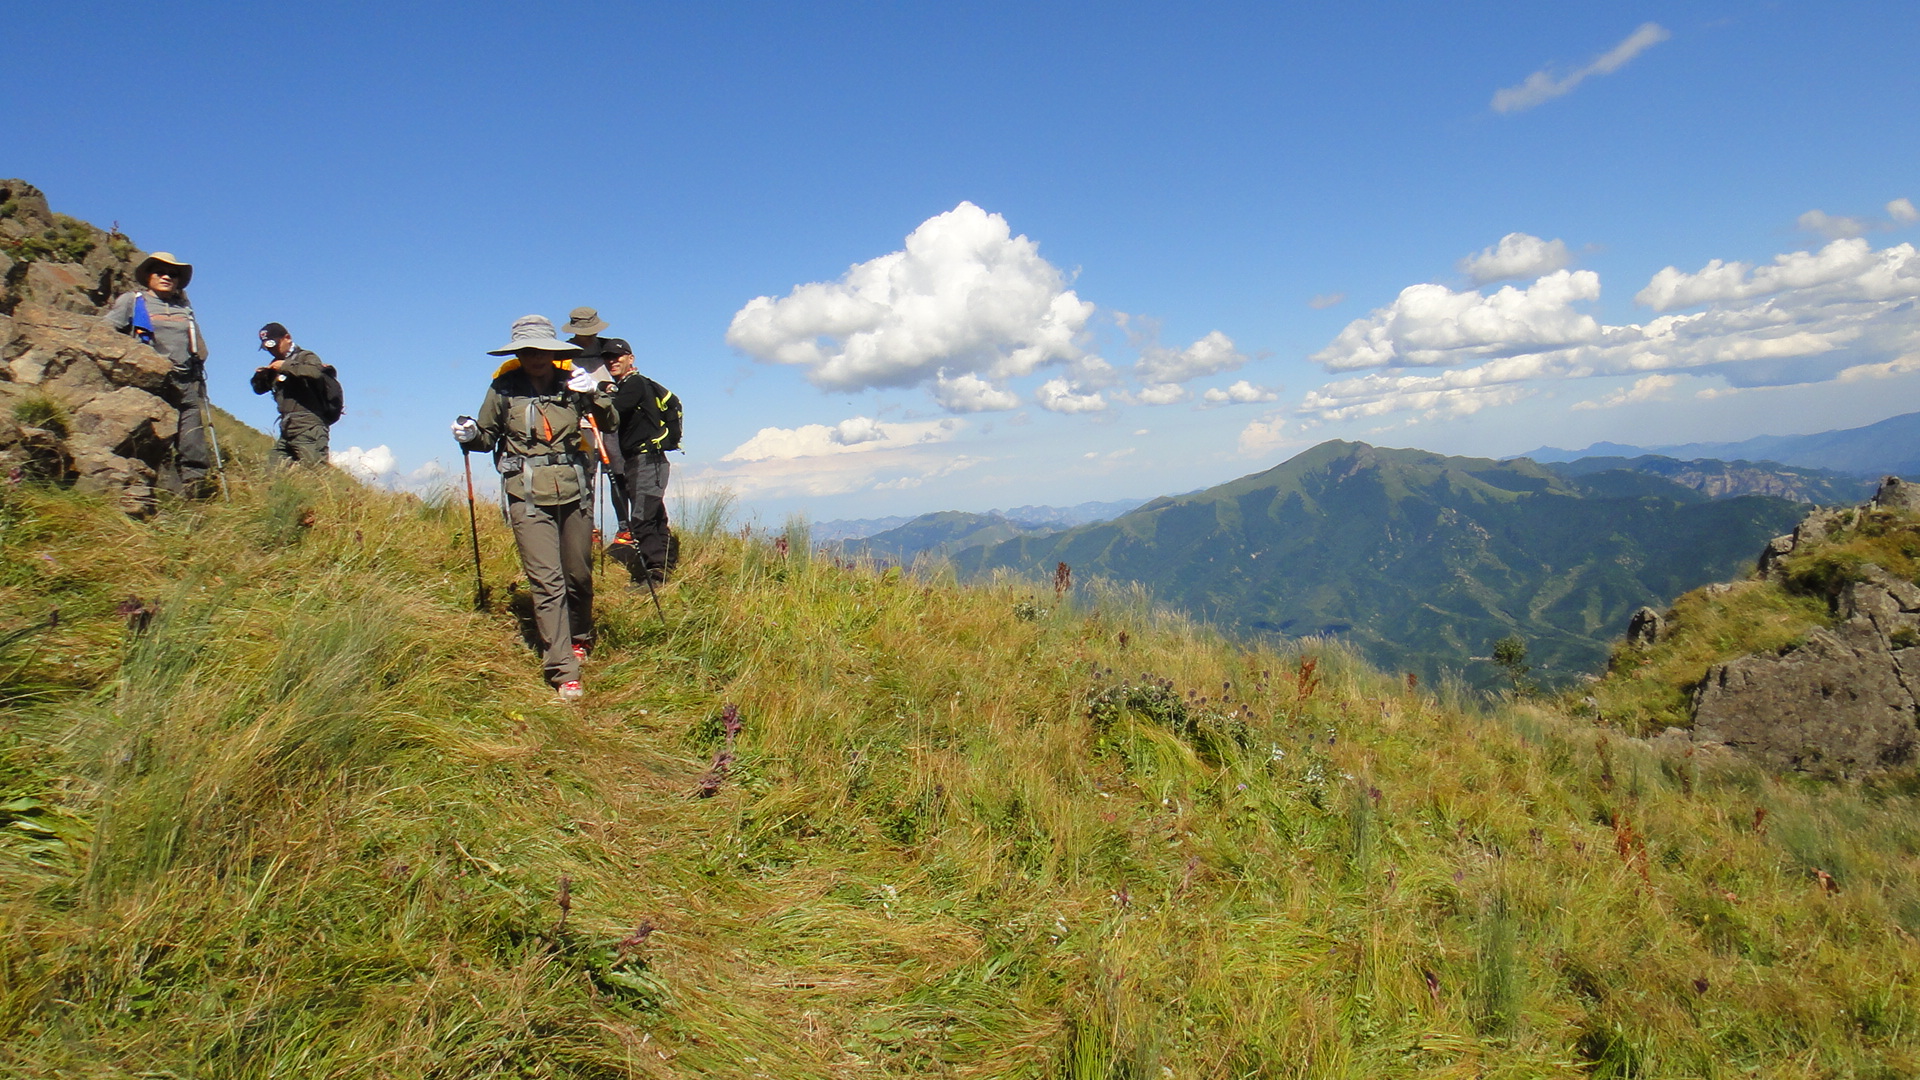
1897 494
1846 701
58 275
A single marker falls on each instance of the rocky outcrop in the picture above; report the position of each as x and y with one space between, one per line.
78 403
1644 628
1846 700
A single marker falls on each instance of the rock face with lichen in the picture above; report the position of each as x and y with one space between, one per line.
79 403
1844 702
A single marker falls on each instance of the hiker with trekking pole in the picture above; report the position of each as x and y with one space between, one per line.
534 419
159 314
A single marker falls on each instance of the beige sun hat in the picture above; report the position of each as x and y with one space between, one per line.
583 321
533 332
163 258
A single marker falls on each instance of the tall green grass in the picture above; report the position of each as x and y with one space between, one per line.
317 818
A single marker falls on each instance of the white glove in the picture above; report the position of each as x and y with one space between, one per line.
582 382
466 429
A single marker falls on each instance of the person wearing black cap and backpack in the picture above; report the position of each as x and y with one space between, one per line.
650 424
307 392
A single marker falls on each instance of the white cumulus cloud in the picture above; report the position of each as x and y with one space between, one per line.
1902 212
1833 227
368 465
1649 388
1433 325
857 435
968 392
1806 317
1905 365
1061 396
1240 393
1263 436
1543 85
1161 394
1517 255
1850 264
1208 356
964 297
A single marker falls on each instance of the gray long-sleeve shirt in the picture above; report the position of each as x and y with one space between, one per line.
176 335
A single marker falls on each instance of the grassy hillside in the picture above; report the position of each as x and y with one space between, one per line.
1421 561
279 803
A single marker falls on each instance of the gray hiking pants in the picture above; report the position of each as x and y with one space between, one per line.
303 439
192 453
646 483
556 552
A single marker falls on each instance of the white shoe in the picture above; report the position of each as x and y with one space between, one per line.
572 691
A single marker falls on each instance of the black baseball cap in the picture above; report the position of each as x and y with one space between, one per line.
613 346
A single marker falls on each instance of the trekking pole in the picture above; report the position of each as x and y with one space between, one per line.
213 439
606 466
473 524
646 575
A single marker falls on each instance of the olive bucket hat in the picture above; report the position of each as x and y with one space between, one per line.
583 321
533 332
163 259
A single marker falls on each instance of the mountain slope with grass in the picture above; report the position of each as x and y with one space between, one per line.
1420 561
277 801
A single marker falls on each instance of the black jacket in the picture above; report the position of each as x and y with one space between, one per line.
299 386
649 415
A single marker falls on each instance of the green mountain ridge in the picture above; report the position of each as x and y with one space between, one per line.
1420 560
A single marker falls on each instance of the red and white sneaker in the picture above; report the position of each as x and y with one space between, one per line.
572 691
579 651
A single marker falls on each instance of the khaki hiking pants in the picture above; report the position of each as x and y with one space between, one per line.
556 552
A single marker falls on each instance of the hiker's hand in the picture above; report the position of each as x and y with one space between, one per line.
466 429
581 383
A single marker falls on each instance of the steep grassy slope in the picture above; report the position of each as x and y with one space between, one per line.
1421 561
319 818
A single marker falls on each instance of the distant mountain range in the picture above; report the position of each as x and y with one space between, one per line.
1891 446
1420 560
1018 519
1728 479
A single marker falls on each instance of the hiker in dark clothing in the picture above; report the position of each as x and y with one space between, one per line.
533 419
299 381
649 427
585 324
159 314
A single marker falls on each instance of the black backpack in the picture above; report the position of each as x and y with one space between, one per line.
333 403
667 419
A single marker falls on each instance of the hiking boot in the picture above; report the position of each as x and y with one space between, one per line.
572 691
623 538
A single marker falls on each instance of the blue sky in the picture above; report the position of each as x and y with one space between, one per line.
1471 228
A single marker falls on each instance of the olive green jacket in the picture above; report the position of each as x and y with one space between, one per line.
540 441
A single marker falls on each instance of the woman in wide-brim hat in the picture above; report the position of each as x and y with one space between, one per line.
534 420
159 314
